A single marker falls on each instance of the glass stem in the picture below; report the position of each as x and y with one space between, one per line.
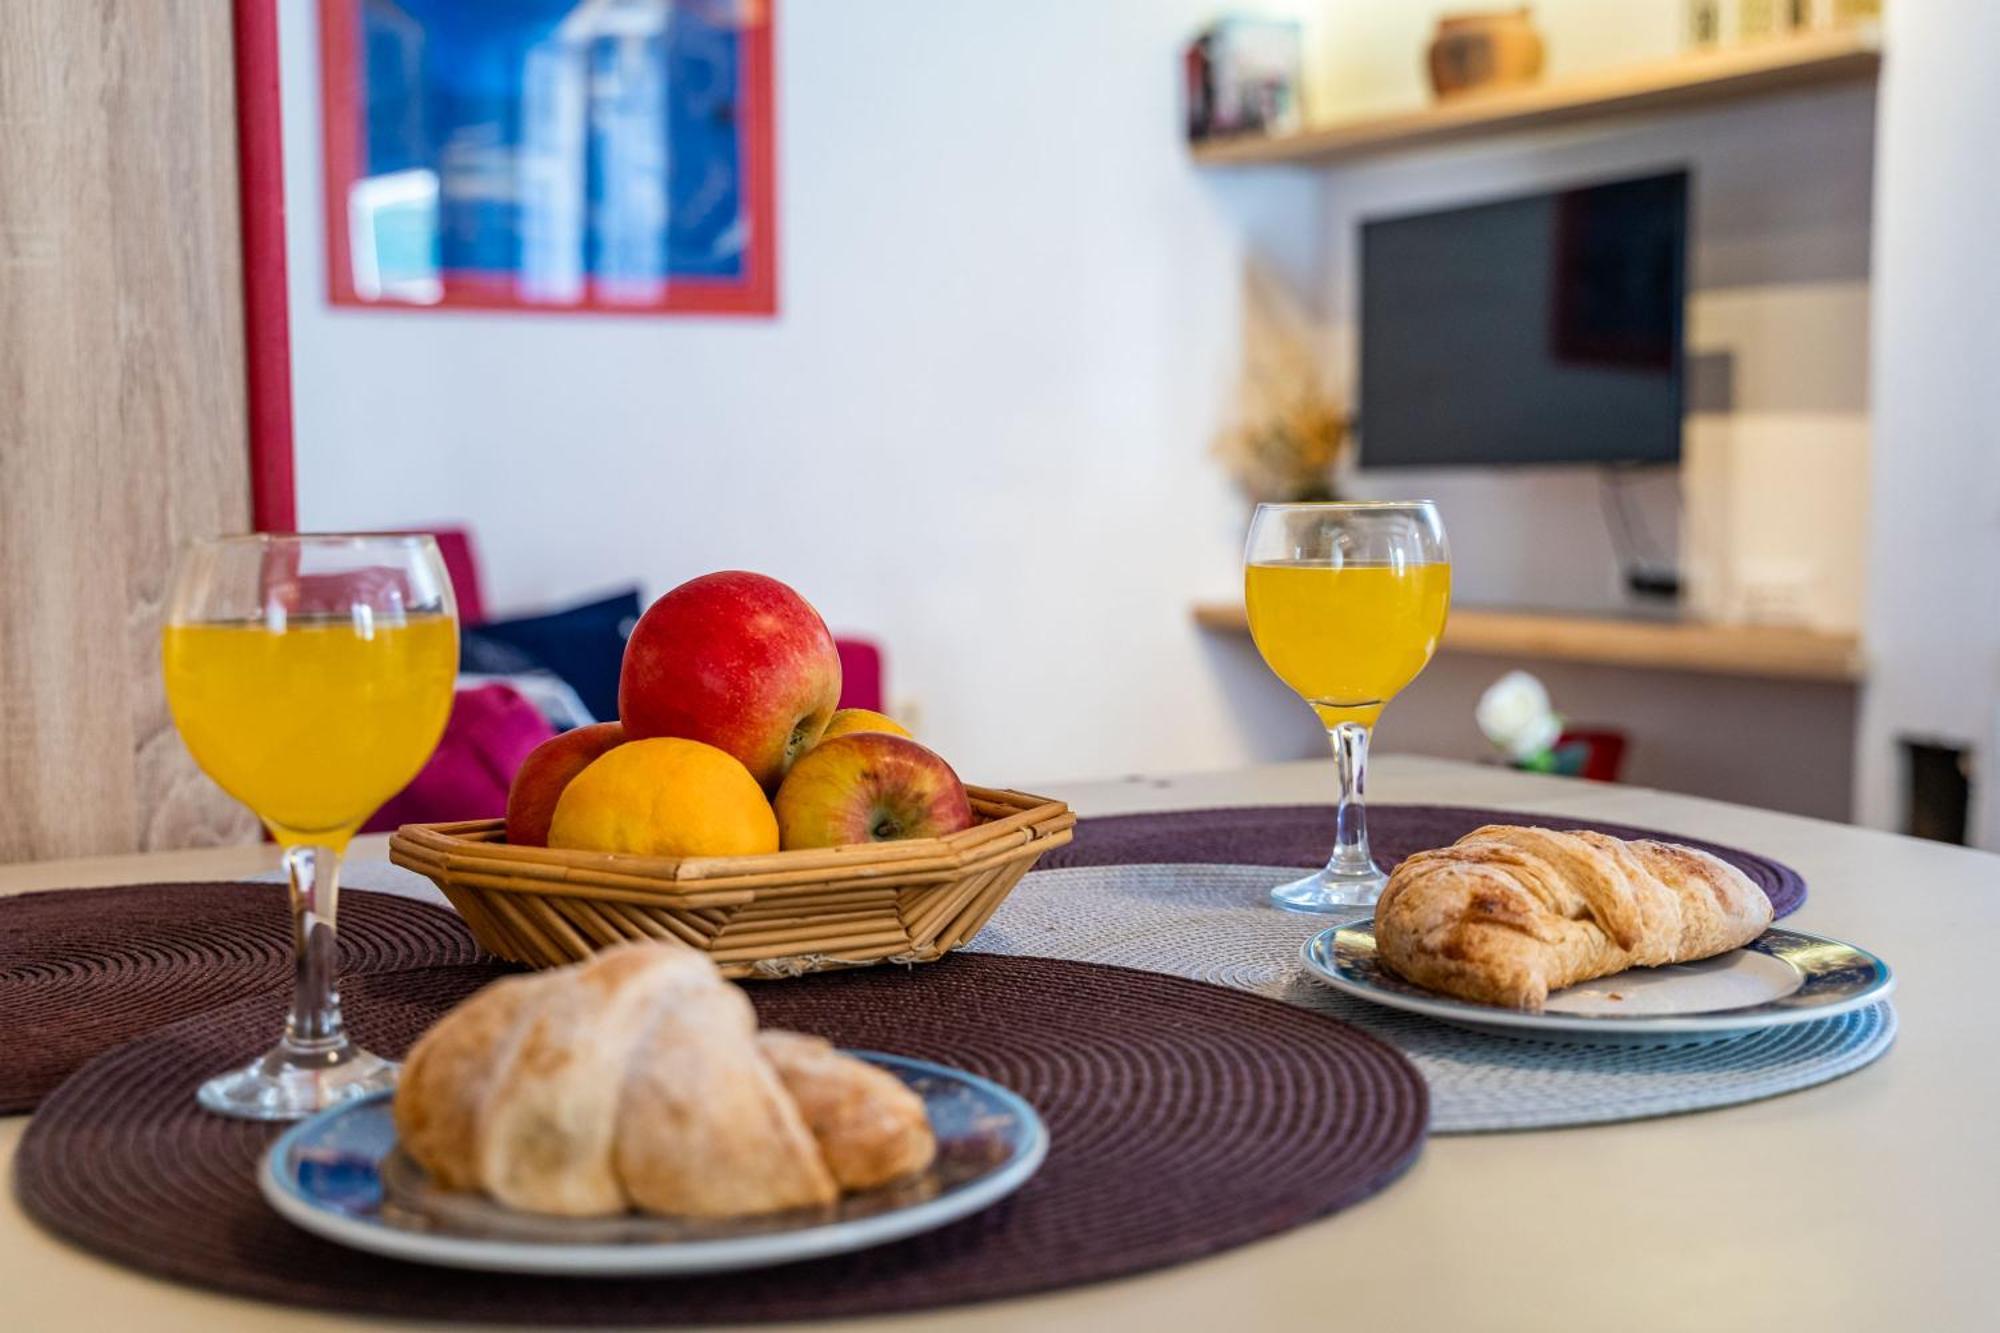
315 1024
1350 829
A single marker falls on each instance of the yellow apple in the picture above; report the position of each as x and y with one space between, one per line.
850 720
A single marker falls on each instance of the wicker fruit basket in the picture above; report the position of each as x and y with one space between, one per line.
780 915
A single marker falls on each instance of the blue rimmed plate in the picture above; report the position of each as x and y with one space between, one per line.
1780 978
340 1175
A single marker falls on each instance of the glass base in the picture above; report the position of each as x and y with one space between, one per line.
291 1082
1331 891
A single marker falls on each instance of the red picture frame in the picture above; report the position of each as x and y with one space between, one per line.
267 339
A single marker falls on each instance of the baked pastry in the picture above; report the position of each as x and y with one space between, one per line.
638 1079
1506 915
867 1122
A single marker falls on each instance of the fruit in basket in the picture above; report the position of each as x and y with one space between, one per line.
846 721
738 661
869 786
539 781
667 796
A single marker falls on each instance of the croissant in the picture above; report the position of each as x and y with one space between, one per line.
638 1079
1506 915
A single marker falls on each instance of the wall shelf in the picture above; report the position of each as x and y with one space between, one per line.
1762 651
1696 79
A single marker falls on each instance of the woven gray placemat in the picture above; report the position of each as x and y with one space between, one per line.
1210 923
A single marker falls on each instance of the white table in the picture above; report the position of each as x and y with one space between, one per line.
1864 1203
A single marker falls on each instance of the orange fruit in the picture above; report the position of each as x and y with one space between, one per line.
848 720
665 797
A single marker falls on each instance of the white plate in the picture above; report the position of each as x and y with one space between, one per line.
1780 978
341 1176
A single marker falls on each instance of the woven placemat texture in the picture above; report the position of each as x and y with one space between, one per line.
1212 923
1185 1119
84 970
1302 835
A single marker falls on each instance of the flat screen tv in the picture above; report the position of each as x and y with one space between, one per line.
1543 329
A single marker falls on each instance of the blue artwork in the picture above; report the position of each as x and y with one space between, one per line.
602 154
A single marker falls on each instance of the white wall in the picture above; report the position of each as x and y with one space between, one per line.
1934 567
977 430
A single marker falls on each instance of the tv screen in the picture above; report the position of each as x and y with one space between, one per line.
1544 329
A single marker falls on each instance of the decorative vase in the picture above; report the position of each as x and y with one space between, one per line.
1498 49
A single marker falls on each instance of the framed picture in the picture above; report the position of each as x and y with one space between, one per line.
611 156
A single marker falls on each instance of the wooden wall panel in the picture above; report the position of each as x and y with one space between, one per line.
122 414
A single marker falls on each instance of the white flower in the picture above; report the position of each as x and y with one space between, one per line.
1515 715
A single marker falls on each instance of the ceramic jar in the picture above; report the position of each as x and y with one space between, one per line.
1485 51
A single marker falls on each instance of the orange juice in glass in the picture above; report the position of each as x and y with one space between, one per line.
1347 638
366 701
1346 604
311 677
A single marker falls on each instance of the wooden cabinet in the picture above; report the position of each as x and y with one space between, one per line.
122 407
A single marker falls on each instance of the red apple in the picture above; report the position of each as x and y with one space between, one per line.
869 786
539 781
735 660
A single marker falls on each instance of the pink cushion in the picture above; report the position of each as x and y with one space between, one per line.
860 674
455 545
491 730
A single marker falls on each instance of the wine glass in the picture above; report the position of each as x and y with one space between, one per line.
1346 604
311 677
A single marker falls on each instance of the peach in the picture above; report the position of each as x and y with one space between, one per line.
665 797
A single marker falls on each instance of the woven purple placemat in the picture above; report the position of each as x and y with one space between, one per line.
1184 1119
1302 835
84 970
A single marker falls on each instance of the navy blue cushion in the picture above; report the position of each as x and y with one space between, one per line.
585 645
